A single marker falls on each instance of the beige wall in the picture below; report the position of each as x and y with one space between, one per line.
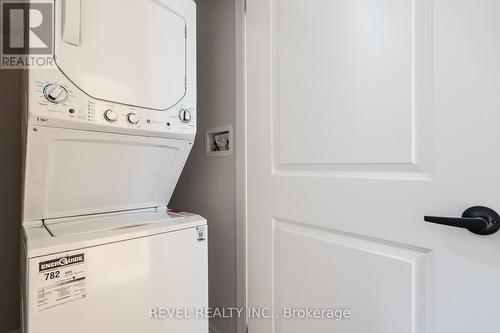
10 187
207 185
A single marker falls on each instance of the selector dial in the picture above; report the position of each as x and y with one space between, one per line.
110 116
55 93
132 118
185 115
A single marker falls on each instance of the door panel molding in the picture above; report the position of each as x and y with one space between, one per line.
307 154
369 276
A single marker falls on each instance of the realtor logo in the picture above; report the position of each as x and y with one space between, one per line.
27 34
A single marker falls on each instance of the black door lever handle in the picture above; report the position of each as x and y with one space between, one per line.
479 220
472 224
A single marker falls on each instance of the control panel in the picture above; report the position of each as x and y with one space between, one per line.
54 100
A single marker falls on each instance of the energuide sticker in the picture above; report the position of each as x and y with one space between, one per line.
61 280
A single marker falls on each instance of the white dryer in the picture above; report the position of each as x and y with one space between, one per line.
107 132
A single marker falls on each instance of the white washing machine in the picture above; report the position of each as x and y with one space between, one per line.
107 132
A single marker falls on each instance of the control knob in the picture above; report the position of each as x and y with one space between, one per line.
185 115
132 118
55 93
110 116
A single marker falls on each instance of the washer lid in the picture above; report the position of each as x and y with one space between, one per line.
108 222
130 52
78 233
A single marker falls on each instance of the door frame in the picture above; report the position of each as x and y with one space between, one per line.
241 162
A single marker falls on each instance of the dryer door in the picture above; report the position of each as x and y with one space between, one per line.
131 52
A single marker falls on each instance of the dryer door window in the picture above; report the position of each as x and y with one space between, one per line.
131 52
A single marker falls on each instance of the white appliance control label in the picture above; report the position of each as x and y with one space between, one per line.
61 280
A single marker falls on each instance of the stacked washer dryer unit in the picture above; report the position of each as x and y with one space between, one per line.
107 133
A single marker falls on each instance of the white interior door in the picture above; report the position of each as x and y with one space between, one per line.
363 117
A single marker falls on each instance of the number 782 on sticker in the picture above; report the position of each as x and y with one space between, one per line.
52 275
